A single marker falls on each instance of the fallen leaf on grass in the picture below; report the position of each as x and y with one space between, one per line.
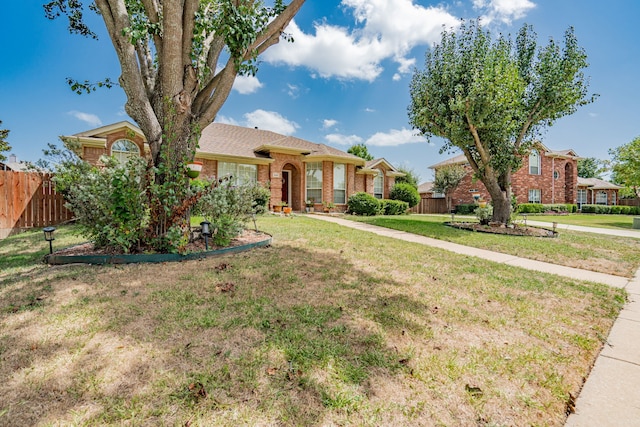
474 391
197 390
226 287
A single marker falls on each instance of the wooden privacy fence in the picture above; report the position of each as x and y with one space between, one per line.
629 202
28 200
430 206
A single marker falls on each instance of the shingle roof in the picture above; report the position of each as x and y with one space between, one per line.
459 159
597 184
230 140
425 187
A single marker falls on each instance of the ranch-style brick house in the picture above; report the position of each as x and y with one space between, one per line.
295 170
546 176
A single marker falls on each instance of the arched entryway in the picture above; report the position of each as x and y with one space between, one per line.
569 184
292 186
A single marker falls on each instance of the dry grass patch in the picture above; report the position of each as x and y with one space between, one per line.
329 326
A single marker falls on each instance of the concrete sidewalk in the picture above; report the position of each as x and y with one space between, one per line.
611 395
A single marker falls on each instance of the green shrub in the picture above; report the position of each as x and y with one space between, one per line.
465 208
527 208
394 207
484 214
363 204
571 208
110 204
406 193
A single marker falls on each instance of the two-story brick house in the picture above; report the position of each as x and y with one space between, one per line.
546 176
296 170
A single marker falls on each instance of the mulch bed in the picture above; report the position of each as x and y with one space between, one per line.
511 230
198 245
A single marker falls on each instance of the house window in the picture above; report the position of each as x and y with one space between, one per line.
241 174
339 183
535 196
123 150
613 199
378 185
582 198
314 181
556 174
601 198
534 163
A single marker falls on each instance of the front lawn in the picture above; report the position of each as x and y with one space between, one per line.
587 220
605 254
328 326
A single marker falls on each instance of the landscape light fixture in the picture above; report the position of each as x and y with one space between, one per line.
48 236
206 232
525 219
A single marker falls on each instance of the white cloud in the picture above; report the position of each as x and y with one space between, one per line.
336 138
293 90
270 120
395 137
329 123
385 29
88 118
226 120
246 85
369 110
503 10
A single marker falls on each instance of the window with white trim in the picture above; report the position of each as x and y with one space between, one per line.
339 183
582 197
535 196
314 181
241 173
378 185
534 162
601 198
123 150
614 200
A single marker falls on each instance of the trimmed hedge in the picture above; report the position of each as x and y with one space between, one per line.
394 207
616 209
540 208
363 204
406 193
466 209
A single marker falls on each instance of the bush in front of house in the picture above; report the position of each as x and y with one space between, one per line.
394 207
363 204
466 208
109 204
228 207
405 192
616 209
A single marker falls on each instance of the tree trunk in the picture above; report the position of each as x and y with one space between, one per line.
499 189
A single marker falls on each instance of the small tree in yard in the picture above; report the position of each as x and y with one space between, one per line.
361 151
448 178
4 145
179 60
491 99
406 193
590 167
410 177
626 165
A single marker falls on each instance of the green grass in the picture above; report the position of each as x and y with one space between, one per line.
605 254
328 326
587 220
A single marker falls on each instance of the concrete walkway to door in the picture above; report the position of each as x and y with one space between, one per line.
611 395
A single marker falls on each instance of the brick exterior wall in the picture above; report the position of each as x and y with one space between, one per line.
92 154
558 189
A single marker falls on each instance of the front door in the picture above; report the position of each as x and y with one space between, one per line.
286 179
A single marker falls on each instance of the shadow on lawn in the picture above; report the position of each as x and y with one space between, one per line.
278 335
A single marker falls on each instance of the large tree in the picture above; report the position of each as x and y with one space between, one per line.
4 145
626 165
590 167
361 151
179 60
492 98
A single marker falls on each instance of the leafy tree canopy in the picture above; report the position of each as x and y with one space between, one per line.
590 167
492 98
410 177
447 179
4 145
361 151
626 165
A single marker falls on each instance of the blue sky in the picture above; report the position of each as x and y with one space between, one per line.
344 80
